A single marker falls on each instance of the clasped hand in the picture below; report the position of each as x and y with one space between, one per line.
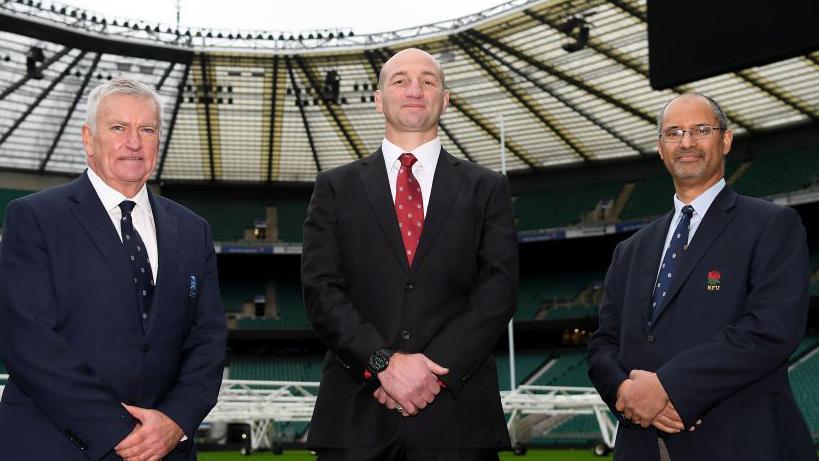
409 383
642 399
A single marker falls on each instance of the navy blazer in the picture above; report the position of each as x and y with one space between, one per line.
735 312
71 335
452 305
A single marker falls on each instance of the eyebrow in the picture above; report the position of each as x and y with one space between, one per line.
406 74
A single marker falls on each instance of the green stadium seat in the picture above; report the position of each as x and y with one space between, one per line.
561 207
539 290
804 377
291 217
277 369
568 369
526 363
228 219
6 196
774 174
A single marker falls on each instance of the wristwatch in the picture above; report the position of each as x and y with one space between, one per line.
380 360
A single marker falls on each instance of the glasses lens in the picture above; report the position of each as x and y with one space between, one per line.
672 135
702 131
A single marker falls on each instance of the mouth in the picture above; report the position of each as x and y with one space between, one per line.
689 157
132 158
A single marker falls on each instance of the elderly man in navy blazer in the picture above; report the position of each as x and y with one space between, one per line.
701 310
111 324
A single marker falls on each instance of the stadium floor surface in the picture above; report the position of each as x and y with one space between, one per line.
532 455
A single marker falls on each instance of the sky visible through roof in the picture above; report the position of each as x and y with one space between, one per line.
361 16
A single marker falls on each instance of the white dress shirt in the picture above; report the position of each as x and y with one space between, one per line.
423 170
142 216
701 205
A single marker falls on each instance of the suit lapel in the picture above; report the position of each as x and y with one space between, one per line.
89 211
373 177
712 225
445 186
167 236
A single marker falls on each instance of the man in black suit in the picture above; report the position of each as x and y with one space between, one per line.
701 310
111 324
410 273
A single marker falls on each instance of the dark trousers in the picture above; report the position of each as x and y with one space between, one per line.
396 450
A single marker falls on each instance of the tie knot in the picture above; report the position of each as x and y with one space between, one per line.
407 160
688 210
127 207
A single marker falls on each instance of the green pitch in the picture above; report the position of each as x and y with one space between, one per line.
532 455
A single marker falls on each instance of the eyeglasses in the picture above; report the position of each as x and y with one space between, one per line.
675 135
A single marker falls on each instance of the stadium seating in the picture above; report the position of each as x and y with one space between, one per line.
775 174
235 293
290 307
228 218
568 369
547 290
6 196
277 369
561 207
291 218
526 363
804 378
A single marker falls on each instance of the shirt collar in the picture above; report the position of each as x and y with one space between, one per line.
426 154
703 201
111 198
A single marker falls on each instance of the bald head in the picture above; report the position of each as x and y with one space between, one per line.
722 119
404 55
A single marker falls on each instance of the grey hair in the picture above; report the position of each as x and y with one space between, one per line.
722 119
119 85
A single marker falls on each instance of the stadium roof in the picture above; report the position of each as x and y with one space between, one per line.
253 108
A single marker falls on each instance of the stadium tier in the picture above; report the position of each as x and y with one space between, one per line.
228 218
771 175
7 195
540 291
276 369
563 207
804 376
568 368
526 363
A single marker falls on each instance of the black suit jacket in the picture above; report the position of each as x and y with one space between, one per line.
71 336
453 304
719 347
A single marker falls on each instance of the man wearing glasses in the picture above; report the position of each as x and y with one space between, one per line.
701 310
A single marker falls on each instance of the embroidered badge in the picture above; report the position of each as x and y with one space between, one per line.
193 287
713 281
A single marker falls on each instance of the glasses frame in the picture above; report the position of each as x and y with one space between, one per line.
691 133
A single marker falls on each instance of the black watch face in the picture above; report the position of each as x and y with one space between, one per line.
378 363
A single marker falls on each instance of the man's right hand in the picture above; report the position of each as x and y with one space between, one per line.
412 381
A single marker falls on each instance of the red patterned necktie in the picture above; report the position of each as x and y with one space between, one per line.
409 206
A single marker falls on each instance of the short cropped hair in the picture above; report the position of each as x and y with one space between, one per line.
119 85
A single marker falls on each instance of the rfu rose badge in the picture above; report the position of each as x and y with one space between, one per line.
713 281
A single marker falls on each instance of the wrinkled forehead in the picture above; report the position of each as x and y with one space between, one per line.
412 62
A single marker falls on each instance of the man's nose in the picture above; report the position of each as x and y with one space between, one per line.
133 141
414 89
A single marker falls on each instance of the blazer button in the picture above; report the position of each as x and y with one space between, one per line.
405 334
146 348
409 286
649 338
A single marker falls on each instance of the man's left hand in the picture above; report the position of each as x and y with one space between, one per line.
155 436
644 398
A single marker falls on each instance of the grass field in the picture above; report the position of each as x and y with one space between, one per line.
532 455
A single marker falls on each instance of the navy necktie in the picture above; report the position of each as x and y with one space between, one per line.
678 244
138 258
